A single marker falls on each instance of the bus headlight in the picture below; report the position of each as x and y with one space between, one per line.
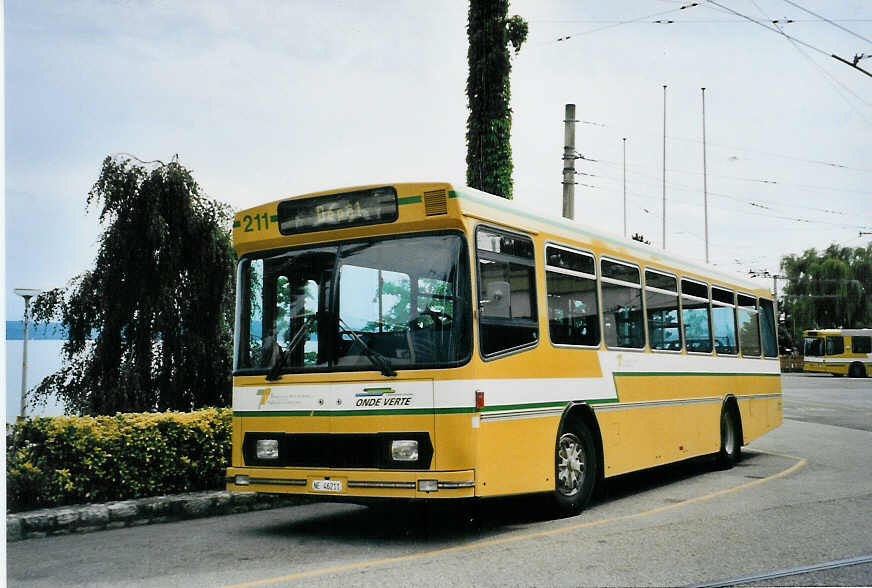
404 450
267 449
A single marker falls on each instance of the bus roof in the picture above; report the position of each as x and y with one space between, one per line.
848 332
473 203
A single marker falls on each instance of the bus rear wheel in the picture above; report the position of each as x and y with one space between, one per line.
857 371
575 467
731 443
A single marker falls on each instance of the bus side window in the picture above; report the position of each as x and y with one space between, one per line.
861 344
573 317
767 326
506 291
835 345
749 326
696 316
623 321
661 301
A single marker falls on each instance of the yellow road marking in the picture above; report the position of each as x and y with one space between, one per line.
801 462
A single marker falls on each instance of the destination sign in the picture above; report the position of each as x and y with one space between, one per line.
335 211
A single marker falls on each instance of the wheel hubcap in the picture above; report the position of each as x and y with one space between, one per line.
570 465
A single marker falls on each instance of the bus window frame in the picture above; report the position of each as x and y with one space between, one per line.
708 300
759 330
676 293
565 271
641 288
735 308
477 286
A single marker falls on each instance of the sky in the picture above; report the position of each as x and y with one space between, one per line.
263 100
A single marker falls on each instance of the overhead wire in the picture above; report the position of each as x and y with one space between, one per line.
755 202
836 83
623 22
745 211
823 18
755 180
780 32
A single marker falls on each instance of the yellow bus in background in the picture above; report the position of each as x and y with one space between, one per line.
838 351
427 341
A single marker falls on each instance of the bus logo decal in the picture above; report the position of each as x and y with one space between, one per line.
264 395
375 392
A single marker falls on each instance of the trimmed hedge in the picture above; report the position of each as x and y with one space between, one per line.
57 461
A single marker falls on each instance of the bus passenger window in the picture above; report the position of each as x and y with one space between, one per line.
861 344
749 326
724 321
661 300
573 317
623 323
767 326
835 345
695 316
506 291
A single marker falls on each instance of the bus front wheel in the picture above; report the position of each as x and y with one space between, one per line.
731 442
575 467
857 371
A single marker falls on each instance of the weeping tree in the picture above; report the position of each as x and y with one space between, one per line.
149 327
489 126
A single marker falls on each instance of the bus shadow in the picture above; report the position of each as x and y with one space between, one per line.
433 523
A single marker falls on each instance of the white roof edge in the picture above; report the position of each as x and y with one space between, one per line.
638 248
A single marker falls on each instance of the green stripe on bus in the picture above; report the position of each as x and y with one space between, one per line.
236 224
409 200
522 406
361 412
274 218
413 411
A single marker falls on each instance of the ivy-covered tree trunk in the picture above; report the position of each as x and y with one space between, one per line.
489 126
158 302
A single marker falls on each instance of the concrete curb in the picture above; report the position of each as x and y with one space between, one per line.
86 518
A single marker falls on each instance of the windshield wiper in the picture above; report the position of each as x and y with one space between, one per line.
274 373
377 359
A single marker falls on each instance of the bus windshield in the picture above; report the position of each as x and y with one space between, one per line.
382 304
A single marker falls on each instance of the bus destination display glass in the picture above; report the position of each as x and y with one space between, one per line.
334 211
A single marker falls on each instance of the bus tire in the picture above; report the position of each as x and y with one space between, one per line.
575 467
857 370
731 442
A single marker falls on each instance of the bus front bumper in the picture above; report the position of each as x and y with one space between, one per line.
353 483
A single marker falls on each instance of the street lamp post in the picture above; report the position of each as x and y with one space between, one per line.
27 294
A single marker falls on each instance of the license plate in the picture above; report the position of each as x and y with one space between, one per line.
327 485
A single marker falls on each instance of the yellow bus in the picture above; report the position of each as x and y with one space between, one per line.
427 341
838 351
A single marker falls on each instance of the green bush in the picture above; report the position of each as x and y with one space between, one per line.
57 461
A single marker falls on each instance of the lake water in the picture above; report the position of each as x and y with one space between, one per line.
43 358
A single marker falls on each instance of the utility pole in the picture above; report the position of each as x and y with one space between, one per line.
625 187
664 166
569 157
705 180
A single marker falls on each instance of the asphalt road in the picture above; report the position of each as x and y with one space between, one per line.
802 496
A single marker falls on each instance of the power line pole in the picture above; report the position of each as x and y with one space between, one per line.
625 187
569 157
664 166
705 181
